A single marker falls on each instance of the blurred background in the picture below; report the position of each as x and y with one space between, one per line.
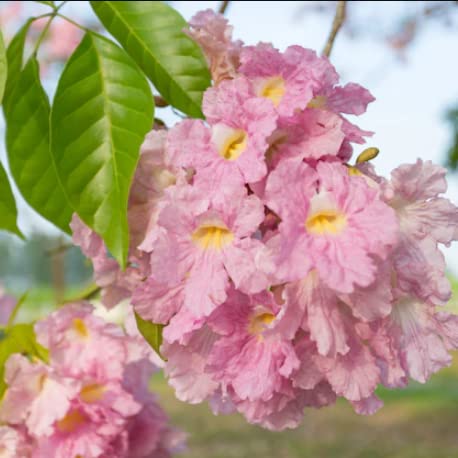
406 54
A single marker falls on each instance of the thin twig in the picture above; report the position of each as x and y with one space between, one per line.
223 7
48 24
81 27
44 32
339 19
59 249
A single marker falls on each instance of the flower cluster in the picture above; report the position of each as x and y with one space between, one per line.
285 277
91 400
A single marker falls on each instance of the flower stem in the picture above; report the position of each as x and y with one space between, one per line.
223 7
337 23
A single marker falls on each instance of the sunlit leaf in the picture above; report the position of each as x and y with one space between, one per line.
28 147
8 210
152 332
102 110
18 339
15 57
3 66
152 33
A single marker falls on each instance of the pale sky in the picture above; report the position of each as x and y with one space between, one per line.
408 115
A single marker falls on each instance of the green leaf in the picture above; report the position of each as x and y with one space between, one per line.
3 66
152 333
15 55
18 339
28 147
102 110
51 4
152 33
8 211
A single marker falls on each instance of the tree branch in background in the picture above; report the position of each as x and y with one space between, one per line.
339 19
59 249
223 7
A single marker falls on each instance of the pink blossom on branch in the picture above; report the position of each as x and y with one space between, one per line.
213 33
204 244
284 276
91 400
332 221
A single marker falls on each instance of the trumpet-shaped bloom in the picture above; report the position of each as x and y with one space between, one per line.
424 337
416 190
214 35
244 322
426 219
204 247
311 135
278 77
158 302
231 151
186 364
331 222
93 411
14 443
36 396
156 171
354 375
350 99
74 336
420 270
298 80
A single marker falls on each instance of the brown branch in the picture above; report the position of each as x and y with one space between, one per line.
160 102
223 7
339 19
159 124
